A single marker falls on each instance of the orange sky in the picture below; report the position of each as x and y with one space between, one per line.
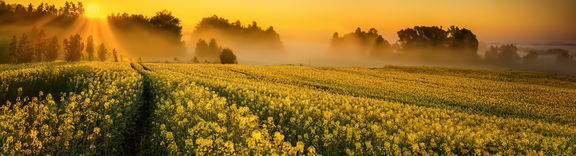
491 20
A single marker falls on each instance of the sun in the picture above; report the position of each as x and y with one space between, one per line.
93 9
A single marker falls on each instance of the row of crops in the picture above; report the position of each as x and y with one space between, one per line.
314 106
68 108
198 109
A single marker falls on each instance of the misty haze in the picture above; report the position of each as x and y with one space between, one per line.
253 77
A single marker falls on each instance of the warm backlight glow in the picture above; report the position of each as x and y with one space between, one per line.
93 9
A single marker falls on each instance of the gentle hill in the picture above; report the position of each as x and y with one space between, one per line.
216 109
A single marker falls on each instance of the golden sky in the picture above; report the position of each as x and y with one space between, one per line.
316 20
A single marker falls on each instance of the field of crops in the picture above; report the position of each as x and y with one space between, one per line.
208 109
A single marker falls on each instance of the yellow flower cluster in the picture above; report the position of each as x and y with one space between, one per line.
356 111
189 119
84 117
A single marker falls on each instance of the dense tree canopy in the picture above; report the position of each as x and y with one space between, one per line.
228 57
433 40
250 38
161 33
73 48
360 43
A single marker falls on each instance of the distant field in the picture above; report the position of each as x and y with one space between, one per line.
210 109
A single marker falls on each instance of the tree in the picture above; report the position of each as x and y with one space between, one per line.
195 60
201 48
508 54
492 54
41 45
73 48
115 53
140 59
166 21
463 41
13 49
227 56
102 51
52 49
213 48
381 48
90 47
177 60
530 58
25 52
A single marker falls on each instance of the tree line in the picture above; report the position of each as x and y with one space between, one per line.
247 37
69 9
213 52
45 49
435 44
161 32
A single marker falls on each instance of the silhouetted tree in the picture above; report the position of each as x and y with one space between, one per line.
102 51
492 54
360 43
430 41
73 48
203 50
13 50
423 38
115 54
41 45
90 47
463 41
25 52
227 57
237 36
166 21
381 48
177 60
508 54
139 59
206 62
52 49
213 48
530 58
195 60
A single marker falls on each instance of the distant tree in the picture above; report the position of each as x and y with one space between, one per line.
177 60
213 48
30 8
381 48
41 45
115 54
165 20
492 54
530 58
102 52
195 60
73 48
508 54
423 38
249 38
13 50
52 49
121 58
90 47
201 48
139 59
81 9
25 52
206 62
227 57
463 41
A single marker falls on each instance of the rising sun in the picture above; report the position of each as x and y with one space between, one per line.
93 9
